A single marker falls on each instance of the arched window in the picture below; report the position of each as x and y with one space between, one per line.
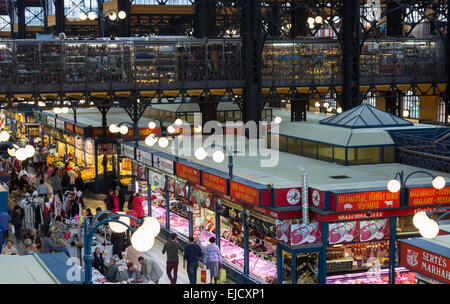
371 99
441 111
411 104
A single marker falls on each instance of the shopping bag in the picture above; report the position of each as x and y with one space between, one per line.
205 275
13 231
222 275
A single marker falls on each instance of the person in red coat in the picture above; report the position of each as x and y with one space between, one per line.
137 205
112 202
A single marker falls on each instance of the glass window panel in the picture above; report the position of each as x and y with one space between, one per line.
309 149
368 155
339 155
325 152
294 145
351 156
389 153
282 143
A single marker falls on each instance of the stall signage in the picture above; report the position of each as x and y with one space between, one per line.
374 230
163 164
157 180
171 185
229 210
79 130
180 189
135 169
214 182
142 173
127 151
142 156
79 143
428 196
69 127
287 197
343 232
316 198
283 231
244 193
367 201
425 262
51 121
202 198
302 234
60 124
261 224
105 148
188 173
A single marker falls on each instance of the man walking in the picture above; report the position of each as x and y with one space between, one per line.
192 253
150 270
171 247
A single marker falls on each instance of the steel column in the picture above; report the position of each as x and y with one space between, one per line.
252 42
124 25
149 192
101 19
275 20
60 18
246 245
392 241
351 54
205 19
21 25
394 21
104 111
447 52
299 18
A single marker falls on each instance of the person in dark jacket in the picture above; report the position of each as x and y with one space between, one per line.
65 181
16 219
121 196
47 222
112 271
99 262
79 183
118 241
14 180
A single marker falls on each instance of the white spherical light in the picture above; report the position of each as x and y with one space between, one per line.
57 110
151 225
142 241
163 142
438 182
122 15
12 152
394 186
326 105
91 15
329 109
277 120
123 130
419 219
218 156
83 16
317 104
201 153
112 16
4 136
319 19
178 121
310 20
171 129
65 110
150 140
198 128
21 154
113 128
152 125
339 110
405 113
429 229
117 227
29 150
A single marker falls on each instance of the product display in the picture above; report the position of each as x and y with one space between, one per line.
381 276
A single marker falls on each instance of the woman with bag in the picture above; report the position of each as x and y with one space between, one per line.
213 259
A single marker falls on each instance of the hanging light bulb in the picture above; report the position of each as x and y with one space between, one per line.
123 130
318 19
151 225
150 140
4 136
277 120
419 219
65 110
405 113
170 129
113 128
21 154
310 20
429 229
29 150
92 15
142 241
329 109
198 128
394 186
112 16
57 110
339 110
201 153
163 142
218 156
117 227
152 125
12 152
122 15
317 104
178 121
83 16
438 182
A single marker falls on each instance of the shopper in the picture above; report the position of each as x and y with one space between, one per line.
137 205
150 270
99 262
42 189
172 247
192 253
4 223
35 237
50 243
113 183
48 220
101 217
9 249
111 271
118 241
72 177
130 200
55 181
30 248
79 183
16 219
121 197
89 215
132 272
65 182
213 259
13 180
37 160
112 202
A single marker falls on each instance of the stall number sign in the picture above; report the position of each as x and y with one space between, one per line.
163 164
144 157
60 124
425 262
127 151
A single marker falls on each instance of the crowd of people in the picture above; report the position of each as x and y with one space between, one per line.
59 192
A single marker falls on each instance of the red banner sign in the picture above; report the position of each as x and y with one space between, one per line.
69 127
188 173
425 262
214 182
428 196
303 234
244 193
366 201
79 130
343 232
288 197
316 198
